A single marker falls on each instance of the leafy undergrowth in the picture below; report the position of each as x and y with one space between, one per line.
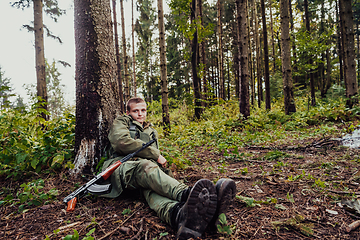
291 175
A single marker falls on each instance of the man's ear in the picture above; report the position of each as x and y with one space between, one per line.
127 112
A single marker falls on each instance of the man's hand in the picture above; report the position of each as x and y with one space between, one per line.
162 161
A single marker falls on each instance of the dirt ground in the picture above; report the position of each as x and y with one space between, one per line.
296 196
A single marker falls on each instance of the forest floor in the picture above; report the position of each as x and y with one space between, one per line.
283 192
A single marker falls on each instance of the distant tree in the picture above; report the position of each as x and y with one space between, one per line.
51 8
178 67
97 93
144 27
19 103
55 90
163 71
133 47
118 62
310 61
220 51
266 57
5 90
125 56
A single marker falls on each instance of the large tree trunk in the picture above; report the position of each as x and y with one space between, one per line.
40 56
243 45
125 57
118 63
163 71
289 101
349 50
312 77
97 93
266 58
133 46
221 56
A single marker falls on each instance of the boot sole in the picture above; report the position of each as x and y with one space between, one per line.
201 207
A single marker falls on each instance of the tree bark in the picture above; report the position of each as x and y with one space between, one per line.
40 57
125 57
163 70
349 50
118 63
289 101
266 58
97 93
243 44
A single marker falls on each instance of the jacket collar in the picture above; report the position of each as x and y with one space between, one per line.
144 126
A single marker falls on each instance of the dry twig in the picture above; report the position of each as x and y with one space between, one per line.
110 233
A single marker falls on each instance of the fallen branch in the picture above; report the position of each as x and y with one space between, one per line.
65 228
140 230
353 226
343 192
110 233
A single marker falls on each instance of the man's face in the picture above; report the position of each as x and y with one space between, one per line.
138 111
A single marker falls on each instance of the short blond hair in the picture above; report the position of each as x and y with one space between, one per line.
133 100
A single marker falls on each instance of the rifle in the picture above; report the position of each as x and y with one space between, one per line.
92 187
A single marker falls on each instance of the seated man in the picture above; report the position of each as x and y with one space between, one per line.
188 210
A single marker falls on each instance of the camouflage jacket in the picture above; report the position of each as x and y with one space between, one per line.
124 141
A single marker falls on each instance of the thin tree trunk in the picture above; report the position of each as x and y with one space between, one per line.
266 58
194 63
312 78
272 37
203 59
295 69
125 57
340 51
358 51
257 44
342 30
97 93
244 61
289 102
133 46
346 16
221 57
251 69
40 57
118 63
163 70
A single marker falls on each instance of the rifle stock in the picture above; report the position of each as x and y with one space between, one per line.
73 197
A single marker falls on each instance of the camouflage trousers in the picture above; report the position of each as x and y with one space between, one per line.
160 190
